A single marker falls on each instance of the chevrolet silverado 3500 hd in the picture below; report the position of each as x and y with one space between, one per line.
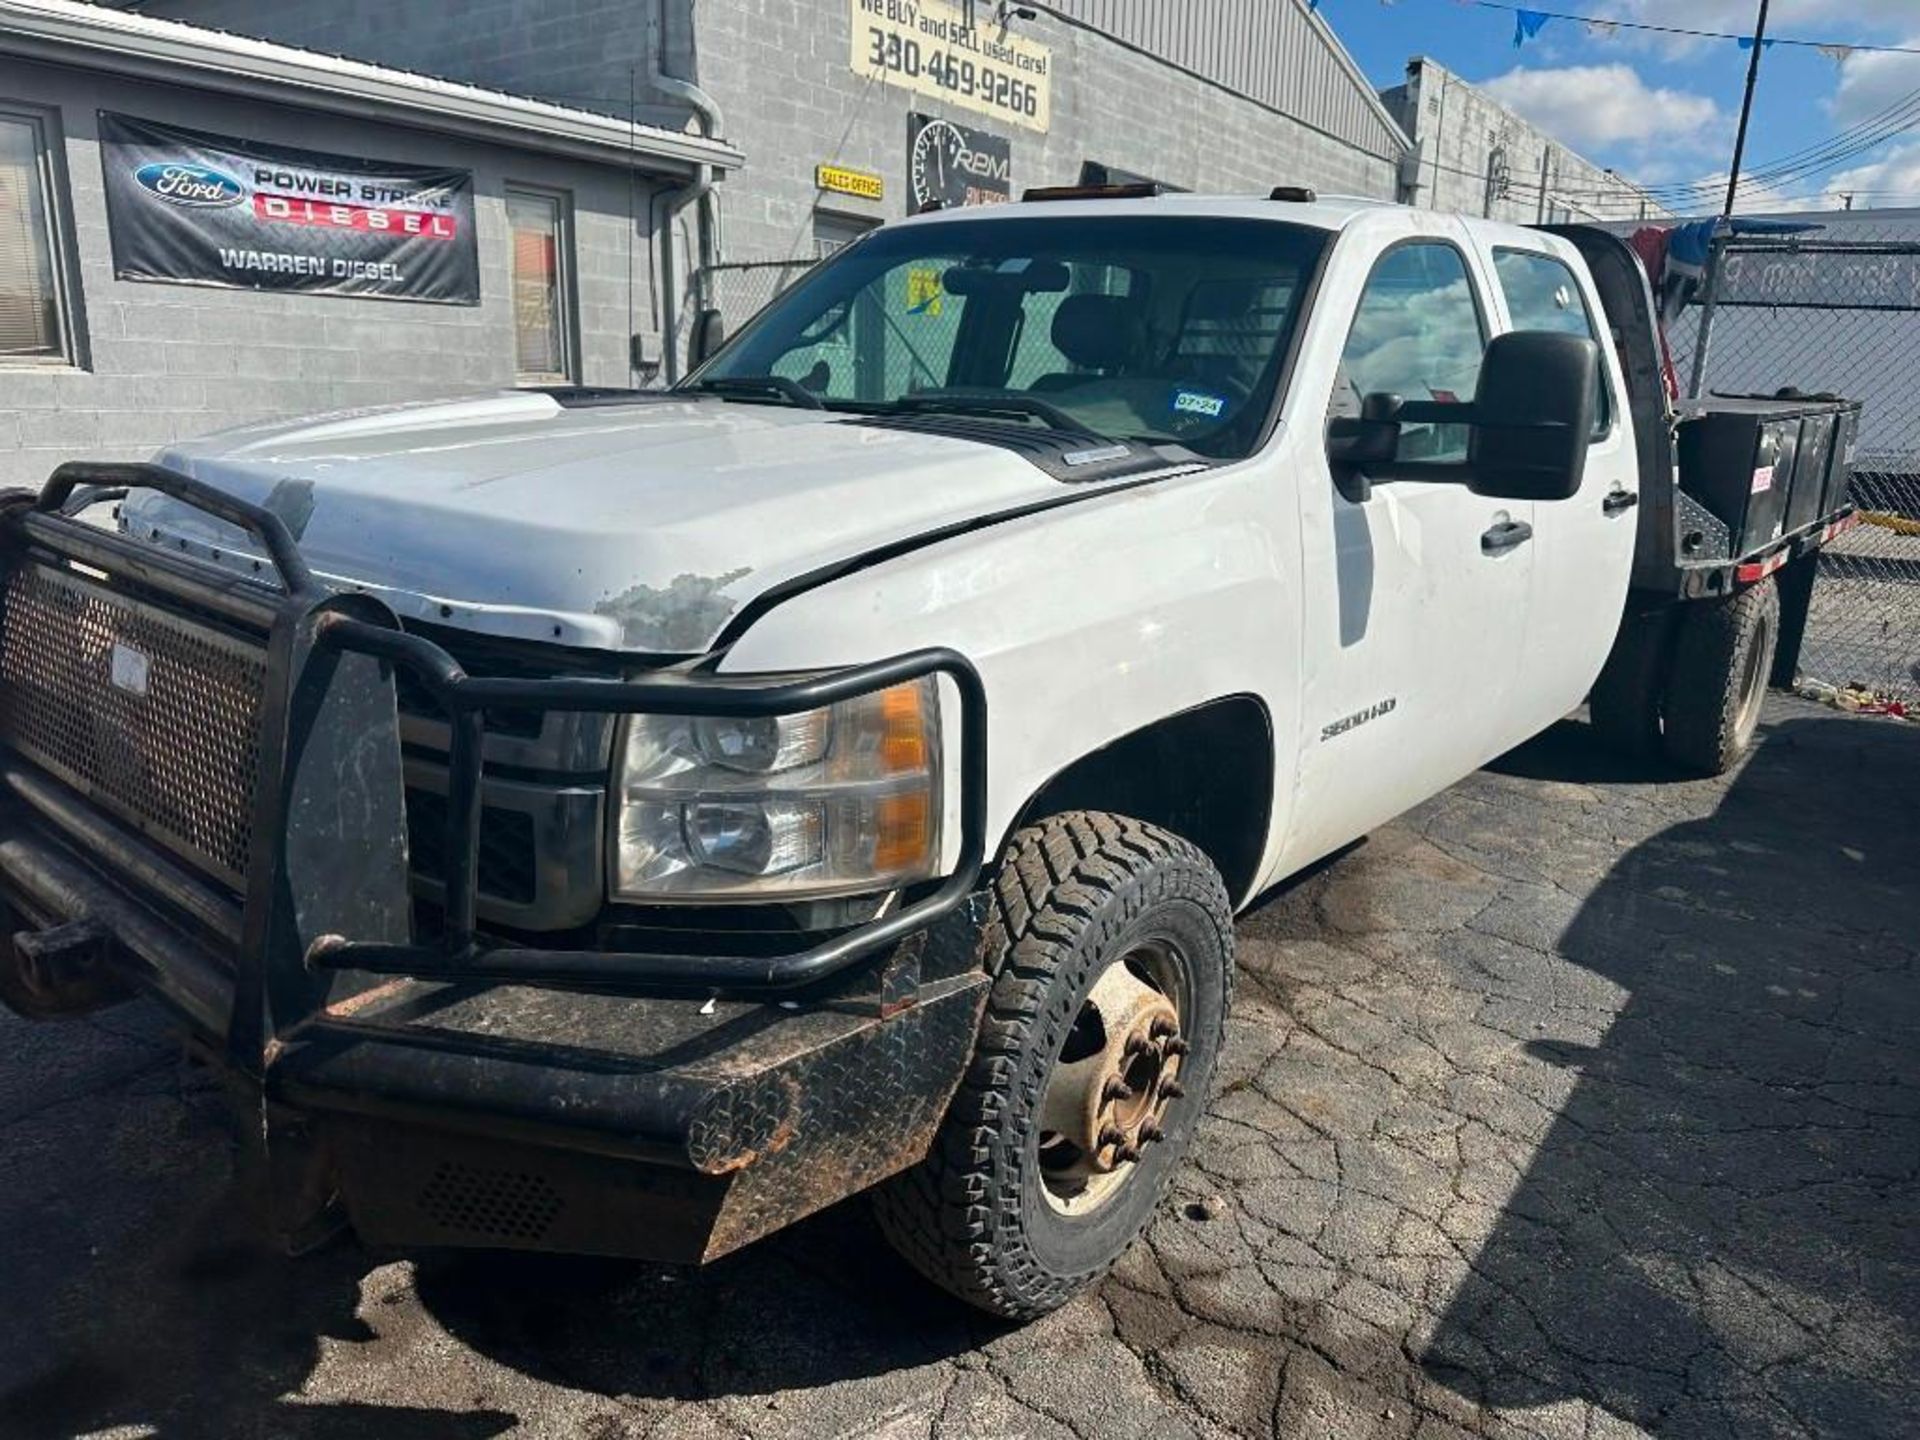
625 822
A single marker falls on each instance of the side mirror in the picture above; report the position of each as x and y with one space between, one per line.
1370 438
1530 421
1533 416
704 337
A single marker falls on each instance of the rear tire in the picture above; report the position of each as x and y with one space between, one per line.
1009 1214
1722 658
1625 705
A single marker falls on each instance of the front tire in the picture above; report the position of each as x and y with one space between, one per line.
1111 945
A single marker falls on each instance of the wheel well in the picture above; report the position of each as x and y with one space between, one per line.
1205 774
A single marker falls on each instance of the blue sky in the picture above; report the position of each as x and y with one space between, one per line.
1661 109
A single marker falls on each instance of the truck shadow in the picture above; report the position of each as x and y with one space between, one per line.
141 1294
1718 1232
754 1323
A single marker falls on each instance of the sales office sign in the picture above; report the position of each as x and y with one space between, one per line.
197 209
927 47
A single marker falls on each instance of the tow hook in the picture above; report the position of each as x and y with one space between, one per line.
64 970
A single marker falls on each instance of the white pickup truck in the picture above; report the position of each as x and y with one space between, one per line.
626 822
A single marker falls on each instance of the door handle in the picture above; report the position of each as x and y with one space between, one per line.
1618 502
1504 536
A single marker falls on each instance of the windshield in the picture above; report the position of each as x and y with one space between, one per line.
1162 329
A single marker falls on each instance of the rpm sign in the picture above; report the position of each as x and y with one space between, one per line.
926 46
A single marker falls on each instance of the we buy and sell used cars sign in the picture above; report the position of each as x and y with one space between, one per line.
197 209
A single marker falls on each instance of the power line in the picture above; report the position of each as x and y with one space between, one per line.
1608 22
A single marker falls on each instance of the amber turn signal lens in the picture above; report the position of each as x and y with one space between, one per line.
903 832
903 735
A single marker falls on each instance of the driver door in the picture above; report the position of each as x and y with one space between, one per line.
1416 591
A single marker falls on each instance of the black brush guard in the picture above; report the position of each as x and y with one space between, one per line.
462 1091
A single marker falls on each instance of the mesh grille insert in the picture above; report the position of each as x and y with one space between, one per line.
505 1204
155 716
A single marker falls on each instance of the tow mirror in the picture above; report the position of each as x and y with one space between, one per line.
1533 416
1530 422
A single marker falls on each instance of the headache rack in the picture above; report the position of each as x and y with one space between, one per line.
251 732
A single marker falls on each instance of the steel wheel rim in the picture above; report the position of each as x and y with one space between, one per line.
1753 687
1092 1136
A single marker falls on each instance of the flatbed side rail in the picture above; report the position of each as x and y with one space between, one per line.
1726 576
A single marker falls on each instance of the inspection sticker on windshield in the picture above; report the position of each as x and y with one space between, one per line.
1198 402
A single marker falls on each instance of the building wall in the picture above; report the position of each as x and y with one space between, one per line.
779 69
166 361
594 54
1279 52
1112 104
1459 130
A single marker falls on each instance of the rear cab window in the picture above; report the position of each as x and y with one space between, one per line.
1542 293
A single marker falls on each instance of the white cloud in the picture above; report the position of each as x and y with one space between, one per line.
1870 81
1891 179
1820 20
1595 107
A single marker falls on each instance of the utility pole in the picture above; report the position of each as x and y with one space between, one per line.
1746 104
1717 248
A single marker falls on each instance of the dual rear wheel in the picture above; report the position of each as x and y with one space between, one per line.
1688 682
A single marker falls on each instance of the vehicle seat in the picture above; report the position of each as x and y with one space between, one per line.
1227 332
1101 334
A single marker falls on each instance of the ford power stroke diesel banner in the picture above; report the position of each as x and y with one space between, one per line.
197 209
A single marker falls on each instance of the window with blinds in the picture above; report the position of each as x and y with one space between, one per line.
31 327
542 306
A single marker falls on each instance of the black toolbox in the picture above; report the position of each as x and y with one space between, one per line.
1765 465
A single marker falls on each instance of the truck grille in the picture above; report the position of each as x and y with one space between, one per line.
154 716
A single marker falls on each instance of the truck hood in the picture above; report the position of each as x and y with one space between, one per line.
640 526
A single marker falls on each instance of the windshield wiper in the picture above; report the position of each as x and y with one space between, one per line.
764 387
1023 406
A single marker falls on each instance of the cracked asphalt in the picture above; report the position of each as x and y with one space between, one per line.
1580 1102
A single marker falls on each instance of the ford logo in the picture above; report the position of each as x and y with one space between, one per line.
180 183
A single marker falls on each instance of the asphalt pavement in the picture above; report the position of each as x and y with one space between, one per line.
1584 1101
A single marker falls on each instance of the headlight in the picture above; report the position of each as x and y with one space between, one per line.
826 802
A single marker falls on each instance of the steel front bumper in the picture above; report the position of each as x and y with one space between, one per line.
460 1091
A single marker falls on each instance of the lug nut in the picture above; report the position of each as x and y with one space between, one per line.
1135 1044
1177 1046
1127 1153
1112 1135
1116 1089
1161 1027
1172 1090
1151 1132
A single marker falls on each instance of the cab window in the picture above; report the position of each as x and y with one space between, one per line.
1418 333
1542 294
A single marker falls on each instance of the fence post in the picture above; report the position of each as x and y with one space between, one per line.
1716 254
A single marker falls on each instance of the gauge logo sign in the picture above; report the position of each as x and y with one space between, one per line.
950 165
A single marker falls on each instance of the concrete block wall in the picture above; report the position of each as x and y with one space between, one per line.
166 361
1457 128
780 69
593 54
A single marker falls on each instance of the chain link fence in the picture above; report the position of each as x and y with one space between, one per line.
739 288
1837 311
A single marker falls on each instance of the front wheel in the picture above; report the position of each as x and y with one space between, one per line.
1111 943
